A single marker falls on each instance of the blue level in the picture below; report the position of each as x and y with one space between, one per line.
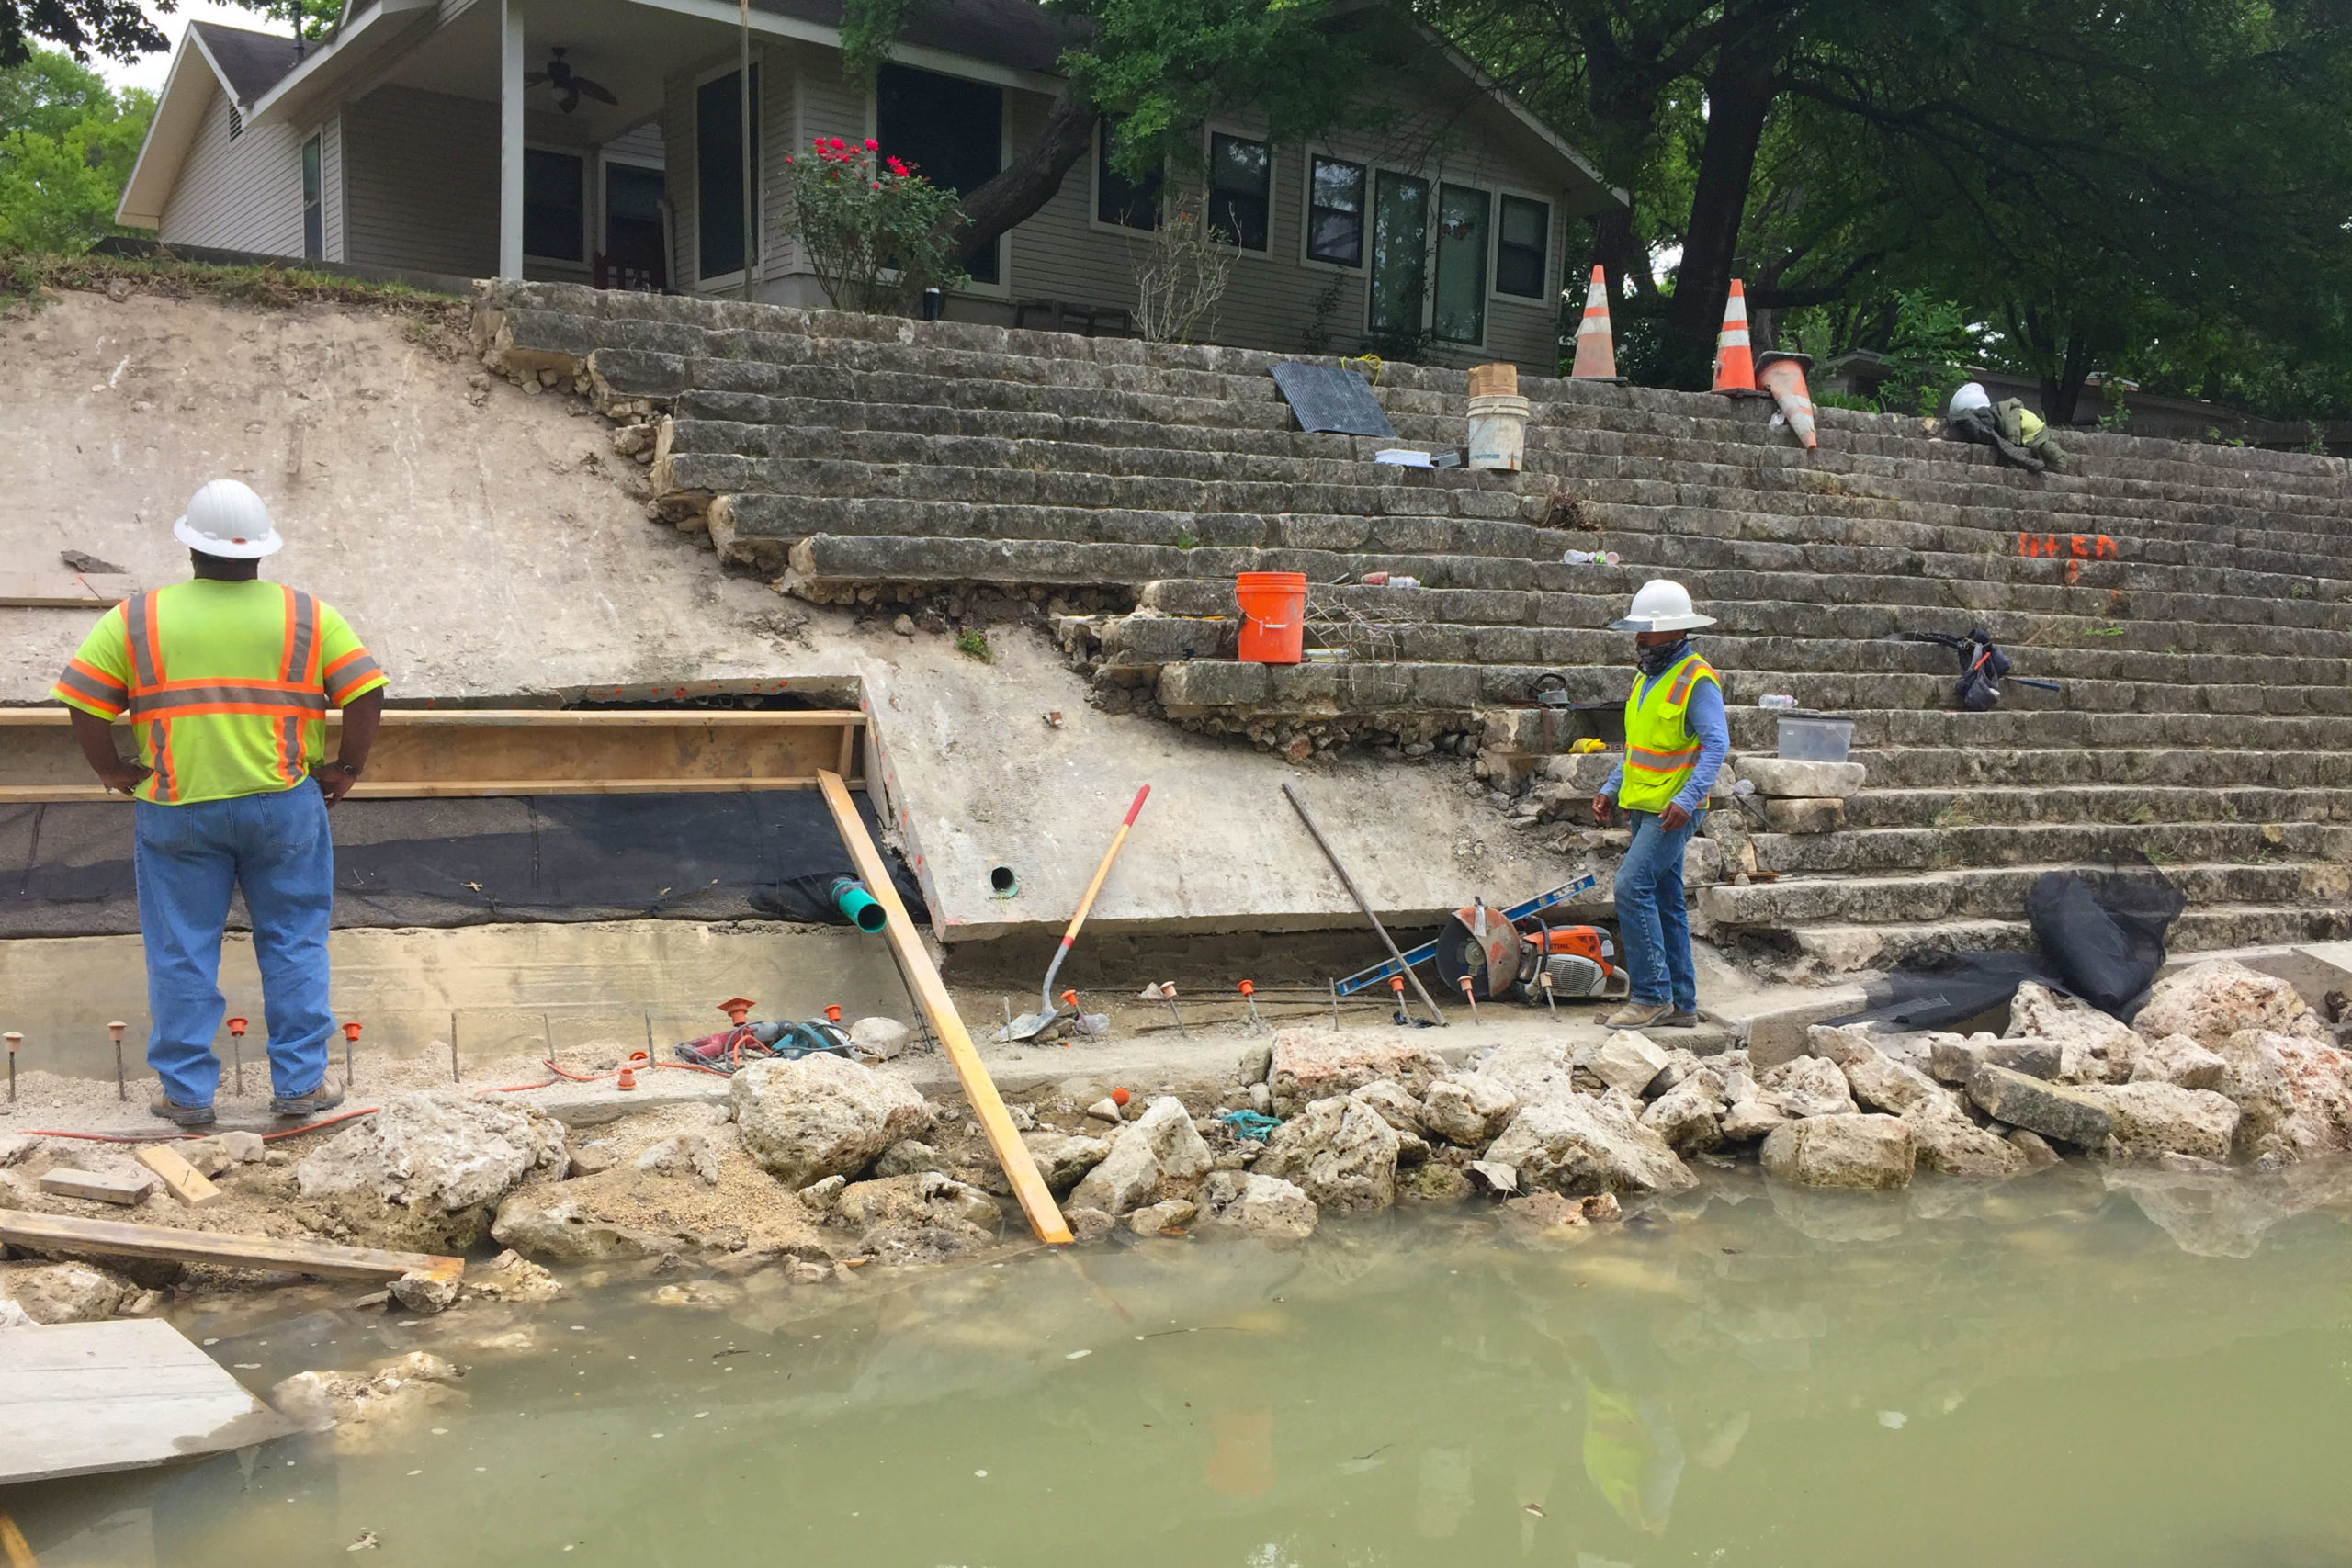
1428 950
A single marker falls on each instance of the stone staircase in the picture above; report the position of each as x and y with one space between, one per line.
2195 602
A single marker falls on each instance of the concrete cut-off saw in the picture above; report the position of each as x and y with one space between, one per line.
1502 959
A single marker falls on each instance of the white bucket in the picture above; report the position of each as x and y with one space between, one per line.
1498 432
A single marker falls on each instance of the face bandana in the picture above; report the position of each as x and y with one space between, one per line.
1656 661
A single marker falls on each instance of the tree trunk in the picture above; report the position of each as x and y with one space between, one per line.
1740 91
1019 189
2062 392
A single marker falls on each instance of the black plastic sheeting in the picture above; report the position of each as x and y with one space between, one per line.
65 869
2101 940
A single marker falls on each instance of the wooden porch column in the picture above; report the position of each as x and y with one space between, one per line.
510 138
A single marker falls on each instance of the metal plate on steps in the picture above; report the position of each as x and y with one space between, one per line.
1328 397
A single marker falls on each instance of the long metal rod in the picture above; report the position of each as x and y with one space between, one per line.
1349 884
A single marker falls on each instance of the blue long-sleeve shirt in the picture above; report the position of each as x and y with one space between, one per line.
1705 716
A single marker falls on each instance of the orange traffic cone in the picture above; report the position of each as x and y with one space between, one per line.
1596 350
1782 375
1735 366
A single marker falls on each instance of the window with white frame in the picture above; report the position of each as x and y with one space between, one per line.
1522 243
1241 176
1334 192
555 205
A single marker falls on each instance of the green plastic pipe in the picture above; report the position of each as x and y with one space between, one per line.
860 907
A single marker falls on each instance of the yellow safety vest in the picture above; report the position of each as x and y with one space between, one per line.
1660 750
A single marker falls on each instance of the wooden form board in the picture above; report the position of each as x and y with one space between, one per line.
181 1180
113 1239
447 752
64 589
85 1398
931 994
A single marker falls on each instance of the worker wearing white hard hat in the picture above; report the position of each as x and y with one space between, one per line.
226 681
1676 738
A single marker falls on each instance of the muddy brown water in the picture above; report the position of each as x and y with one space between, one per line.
2054 1370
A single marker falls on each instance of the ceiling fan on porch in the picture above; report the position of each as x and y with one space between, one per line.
569 85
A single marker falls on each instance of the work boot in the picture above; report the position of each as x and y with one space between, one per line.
1677 1020
179 1115
326 1097
1637 1015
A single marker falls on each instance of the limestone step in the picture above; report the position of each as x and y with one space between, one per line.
1839 947
1996 893
615 315
1206 597
782 481
2009 804
1877 730
1145 639
1876 851
2066 770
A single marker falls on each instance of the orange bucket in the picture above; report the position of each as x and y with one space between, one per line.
1273 616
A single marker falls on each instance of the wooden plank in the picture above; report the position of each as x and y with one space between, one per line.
64 589
452 753
115 1239
86 1398
97 1186
181 1180
931 992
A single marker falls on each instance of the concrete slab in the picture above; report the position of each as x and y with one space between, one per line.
86 1398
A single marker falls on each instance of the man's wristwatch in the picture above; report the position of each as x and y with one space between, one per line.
344 768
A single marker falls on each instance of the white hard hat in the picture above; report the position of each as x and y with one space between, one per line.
226 518
1662 606
1969 395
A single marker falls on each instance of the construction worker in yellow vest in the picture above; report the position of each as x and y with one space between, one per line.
226 681
1676 738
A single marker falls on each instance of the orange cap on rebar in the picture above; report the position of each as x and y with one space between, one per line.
351 1032
737 1008
116 1029
237 1027
1248 990
833 1013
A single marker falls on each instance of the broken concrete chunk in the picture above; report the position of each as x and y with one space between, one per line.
2034 1147
1789 779
1316 1063
242 1148
822 1116
1468 1110
1855 1151
1949 1142
2051 1109
1880 1083
1340 1152
1809 1086
1580 1144
689 1154
2152 1119
1262 1206
882 1037
1397 1108
15 1147
1105 1110
821 1194
1685 1115
1803 815
423 1292
1160 1143
1751 1118
589 1159
1063 1159
1088 1226
2092 1046
427 1170
1158 1219
558 1233
1627 1060
67 1293
2178 1059
2210 1002
908 1158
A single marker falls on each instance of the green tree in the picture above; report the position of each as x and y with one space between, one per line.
67 144
120 29
1161 68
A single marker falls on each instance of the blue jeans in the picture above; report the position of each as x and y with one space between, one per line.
277 850
1652 924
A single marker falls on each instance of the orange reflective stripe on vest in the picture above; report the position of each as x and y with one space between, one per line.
1660 750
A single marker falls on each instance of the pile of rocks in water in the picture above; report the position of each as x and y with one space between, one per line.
2221 1065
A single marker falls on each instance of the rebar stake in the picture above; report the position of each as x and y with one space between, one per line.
1470 995
14 1040
121 1089
350 1038
237 1052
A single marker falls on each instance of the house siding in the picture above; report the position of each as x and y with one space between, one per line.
331 186
1271 298
238 194
422 182
778 136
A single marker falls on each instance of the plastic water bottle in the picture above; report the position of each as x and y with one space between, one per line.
1776 702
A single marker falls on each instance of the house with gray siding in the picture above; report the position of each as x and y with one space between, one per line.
602 142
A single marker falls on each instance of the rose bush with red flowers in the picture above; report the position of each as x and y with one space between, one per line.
871 226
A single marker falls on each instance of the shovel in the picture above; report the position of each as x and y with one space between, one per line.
1030 1025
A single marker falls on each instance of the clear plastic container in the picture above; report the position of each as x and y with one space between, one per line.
1815 737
